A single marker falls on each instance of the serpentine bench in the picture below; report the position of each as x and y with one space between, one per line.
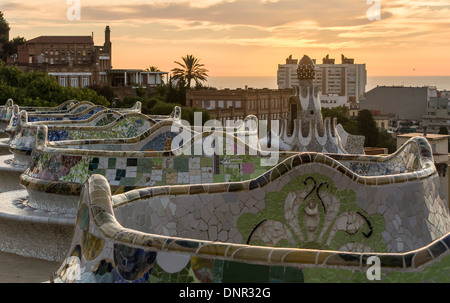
120 125
310 218
9 115
22 219
6 111
14 164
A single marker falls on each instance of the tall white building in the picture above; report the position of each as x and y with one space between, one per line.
346 79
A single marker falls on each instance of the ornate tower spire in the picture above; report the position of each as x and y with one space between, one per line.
309 113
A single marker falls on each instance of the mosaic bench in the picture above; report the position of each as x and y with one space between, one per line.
24 131
307 219
7 110
73 111
37 232
58 168
55 177
80 111
109 124
37 219
93 120
64 106
10 117
12 165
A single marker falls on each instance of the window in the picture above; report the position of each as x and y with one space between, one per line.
85 81
220 104
212 104
75 82
238 104
229 104
63 81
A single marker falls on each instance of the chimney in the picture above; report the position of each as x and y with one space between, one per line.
107 37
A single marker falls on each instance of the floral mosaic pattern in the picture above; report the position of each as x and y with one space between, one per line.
311 212
105 251
54 167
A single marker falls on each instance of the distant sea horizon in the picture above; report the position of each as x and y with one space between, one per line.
440 82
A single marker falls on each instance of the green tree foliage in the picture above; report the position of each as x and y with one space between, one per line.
364 125
368 127
341 113
189 70
10 47
105 91
4 25
39 89
443 130
152 68
374 136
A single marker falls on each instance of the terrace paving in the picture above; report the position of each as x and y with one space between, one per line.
19 269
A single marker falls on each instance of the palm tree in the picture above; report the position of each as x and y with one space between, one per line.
190 70
152 68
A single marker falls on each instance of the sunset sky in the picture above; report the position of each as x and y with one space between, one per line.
251 37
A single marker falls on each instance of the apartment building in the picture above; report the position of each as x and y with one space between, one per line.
346 79
438 113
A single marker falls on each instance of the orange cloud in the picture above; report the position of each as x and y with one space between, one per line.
251 37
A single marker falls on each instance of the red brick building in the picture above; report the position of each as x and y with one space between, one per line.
234 104
73 60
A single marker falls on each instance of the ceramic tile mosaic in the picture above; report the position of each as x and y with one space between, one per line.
108 124
141 168
80 111
338 202
11 125
297 232
406 160
6 110
35 116
226 218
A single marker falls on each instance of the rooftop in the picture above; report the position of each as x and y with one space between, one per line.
63 39
431 137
